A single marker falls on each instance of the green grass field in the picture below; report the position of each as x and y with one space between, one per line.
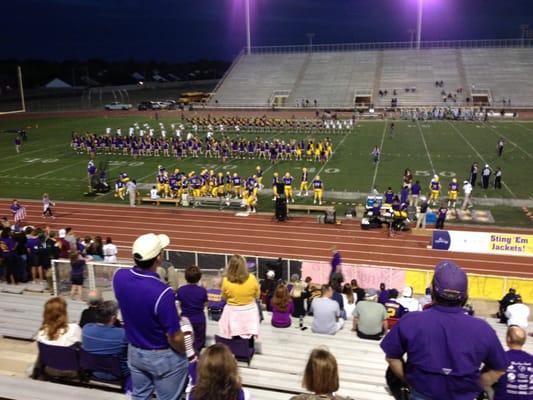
47 164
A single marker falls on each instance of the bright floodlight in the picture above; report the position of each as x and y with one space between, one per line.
419 23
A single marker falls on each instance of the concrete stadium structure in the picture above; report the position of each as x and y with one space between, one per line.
339 76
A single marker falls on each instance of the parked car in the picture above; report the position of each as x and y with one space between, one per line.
168 104
148 105
116 105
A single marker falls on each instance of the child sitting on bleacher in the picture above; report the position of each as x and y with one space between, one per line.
192 298
282 307
215 302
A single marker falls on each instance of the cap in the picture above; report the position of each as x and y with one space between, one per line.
450 281
62 233
407 292
149 246
270 274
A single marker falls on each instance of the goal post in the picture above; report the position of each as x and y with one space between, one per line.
21 102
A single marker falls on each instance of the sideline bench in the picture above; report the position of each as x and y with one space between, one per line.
160 200
309 208
220 202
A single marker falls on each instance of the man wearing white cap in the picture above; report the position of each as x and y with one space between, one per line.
156 352
407 300
485 176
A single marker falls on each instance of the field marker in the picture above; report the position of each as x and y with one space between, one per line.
16 167
58 169
379 161
479 155
426 147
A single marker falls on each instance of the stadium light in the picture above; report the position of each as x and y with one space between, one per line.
419 24
248 34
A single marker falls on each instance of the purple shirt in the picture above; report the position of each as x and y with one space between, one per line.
383 296
517 382
192 300
445 349
404 194
33 244
214 299
280 318
415 189
335 262
7 246
77 268
148 308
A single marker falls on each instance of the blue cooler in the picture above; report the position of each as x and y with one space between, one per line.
431 218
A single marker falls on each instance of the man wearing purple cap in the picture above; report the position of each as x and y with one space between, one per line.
445 347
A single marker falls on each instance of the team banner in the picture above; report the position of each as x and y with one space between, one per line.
483 242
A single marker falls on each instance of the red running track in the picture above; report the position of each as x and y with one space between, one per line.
300 238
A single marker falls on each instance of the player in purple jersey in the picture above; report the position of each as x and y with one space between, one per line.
453 191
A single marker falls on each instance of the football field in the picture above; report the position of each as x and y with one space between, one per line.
48 164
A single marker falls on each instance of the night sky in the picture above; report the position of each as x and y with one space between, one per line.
188 30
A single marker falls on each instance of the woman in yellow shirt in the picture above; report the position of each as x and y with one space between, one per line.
239 287
241 290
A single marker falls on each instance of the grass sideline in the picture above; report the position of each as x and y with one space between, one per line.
47 164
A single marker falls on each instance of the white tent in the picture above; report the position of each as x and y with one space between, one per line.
57 84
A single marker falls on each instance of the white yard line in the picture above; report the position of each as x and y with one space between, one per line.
25 153
58 169
478 154
379 161
426 147
513 143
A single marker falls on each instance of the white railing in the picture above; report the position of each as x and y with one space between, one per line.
441 44
99 275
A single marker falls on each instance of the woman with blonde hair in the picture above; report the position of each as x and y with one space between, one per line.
240 289
298 293
218 376
55 329
321 377
282 307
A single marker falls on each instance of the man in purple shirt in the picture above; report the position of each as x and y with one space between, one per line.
156 351
415 194
336 261
445 347
441 216
517 382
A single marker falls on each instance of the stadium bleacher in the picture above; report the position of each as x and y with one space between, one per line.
333 77
274 374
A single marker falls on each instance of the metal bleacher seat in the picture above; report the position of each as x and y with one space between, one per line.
505 72
27 389
333 77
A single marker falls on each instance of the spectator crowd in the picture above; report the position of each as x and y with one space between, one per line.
161 342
